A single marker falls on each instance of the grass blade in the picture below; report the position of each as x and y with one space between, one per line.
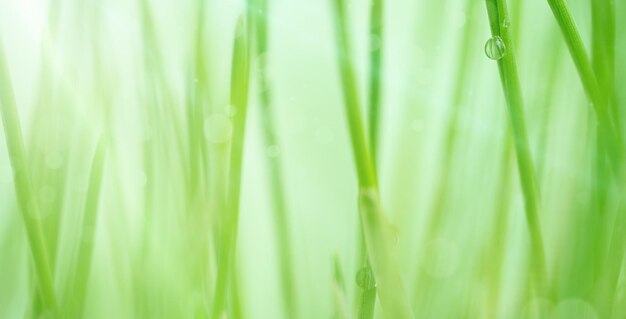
283 237
607 127
375 73
239 100
500 27
339 291
366 300
23 187
78 284
376 229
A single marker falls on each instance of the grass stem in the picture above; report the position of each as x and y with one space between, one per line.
500 27
376 229
607 126
375 74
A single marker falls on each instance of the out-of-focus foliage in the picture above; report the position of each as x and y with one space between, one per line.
160 159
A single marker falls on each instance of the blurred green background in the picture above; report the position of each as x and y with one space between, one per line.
150 82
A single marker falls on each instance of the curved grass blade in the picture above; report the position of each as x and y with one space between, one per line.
607 127
23 187
77 289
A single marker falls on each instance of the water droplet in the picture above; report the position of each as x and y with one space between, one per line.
365 278
217 128
273 151
495 48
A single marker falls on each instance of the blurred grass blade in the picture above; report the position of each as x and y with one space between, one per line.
77 289
375 74
23 188
342 309
366 300
444 184
239 100
272 145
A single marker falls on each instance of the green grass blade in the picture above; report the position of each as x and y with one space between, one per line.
607 126
577 50
603 64
366 299
360 148
283 236
375 74
78 287
500 27
376 229
239 100
342 310
444 183
23 187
